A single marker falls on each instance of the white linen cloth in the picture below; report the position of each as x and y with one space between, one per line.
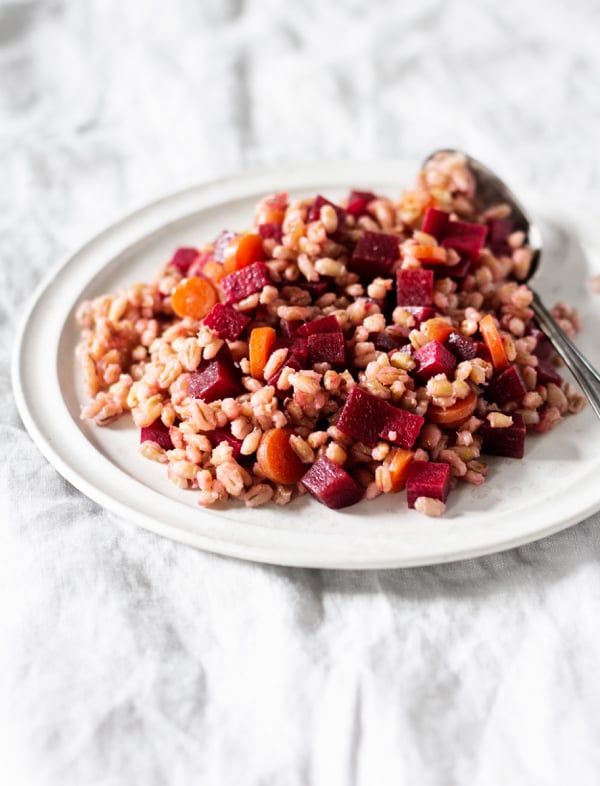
128 659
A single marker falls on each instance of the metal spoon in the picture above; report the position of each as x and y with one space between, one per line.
490 190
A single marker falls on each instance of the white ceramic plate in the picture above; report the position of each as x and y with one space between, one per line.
554 486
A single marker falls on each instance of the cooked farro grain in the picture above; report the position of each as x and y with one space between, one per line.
498 420
430 506
193 386
336 453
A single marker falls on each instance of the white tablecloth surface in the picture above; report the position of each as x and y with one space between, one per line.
128 659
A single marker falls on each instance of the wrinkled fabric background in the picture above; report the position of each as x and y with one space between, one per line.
128 659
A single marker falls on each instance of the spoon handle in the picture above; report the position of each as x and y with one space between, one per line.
583 371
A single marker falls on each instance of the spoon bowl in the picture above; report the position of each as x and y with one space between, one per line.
490 190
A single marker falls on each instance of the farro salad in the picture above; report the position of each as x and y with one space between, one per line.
348 350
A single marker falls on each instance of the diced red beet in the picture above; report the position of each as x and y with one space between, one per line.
414 287
215 379
435 222
420 313
332 485
362 416
374 254
299 350
297 347
315 212
349 363
281 342
433 358
543 348
290 362
368 418
183 258
400 427
358 202
368 196
289 327
157 432
499 231
228 322
506 385
223 240
328 324
546 373
261 315
315 288
197 266
219 435
508 441
327 348
246 282
462 347
383 341
459 270
465 237
427 479
357 208
271 231
483 352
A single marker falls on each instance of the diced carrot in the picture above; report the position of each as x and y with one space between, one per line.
248 250
261 341
193 297
398 463
277 459
493 341
431 255
213 270
229 252
270 215
436 329
455 414
229 266
272 209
